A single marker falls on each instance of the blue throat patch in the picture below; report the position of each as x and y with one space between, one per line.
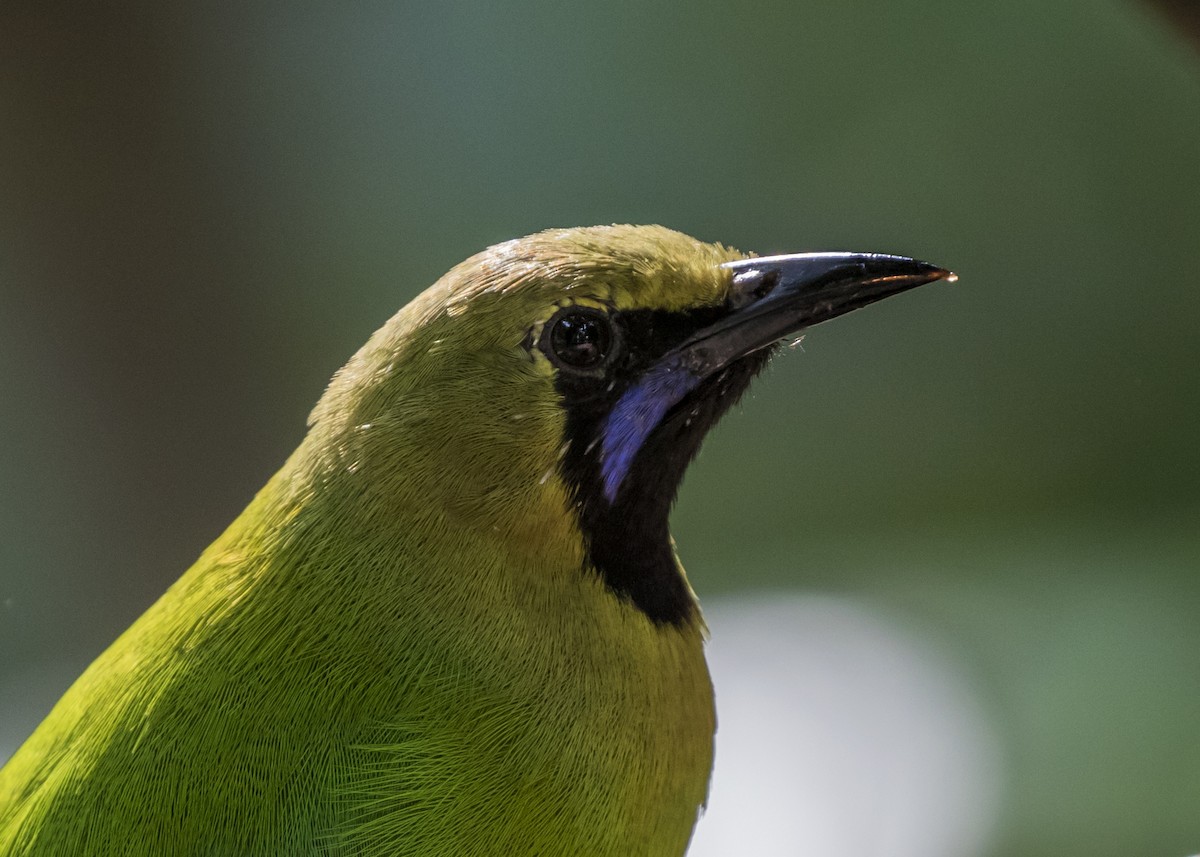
637 413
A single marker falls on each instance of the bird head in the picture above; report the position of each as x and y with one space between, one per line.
564 381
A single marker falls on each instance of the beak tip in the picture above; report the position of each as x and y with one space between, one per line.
931 273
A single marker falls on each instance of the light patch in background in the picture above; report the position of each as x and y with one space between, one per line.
840 733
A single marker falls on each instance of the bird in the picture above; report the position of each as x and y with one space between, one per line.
454 622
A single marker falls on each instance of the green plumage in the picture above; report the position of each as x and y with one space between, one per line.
393 650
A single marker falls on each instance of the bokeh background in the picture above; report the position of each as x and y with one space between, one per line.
950 545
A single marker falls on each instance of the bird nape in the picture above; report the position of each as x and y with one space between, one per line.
454 622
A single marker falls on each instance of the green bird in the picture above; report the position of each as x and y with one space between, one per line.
454 622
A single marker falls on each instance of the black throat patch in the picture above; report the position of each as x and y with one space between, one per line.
627 536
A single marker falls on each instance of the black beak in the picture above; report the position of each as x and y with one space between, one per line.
775 296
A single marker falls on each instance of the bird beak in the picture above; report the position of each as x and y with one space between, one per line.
776 296
769 298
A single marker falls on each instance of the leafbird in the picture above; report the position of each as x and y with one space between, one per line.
454 622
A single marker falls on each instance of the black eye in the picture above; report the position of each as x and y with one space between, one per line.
580 338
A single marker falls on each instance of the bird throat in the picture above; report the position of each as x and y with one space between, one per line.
624 477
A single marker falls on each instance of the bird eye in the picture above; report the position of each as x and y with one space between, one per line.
580 338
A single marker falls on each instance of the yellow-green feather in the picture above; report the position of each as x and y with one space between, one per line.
395 649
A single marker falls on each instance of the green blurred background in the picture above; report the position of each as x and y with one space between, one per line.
204 211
